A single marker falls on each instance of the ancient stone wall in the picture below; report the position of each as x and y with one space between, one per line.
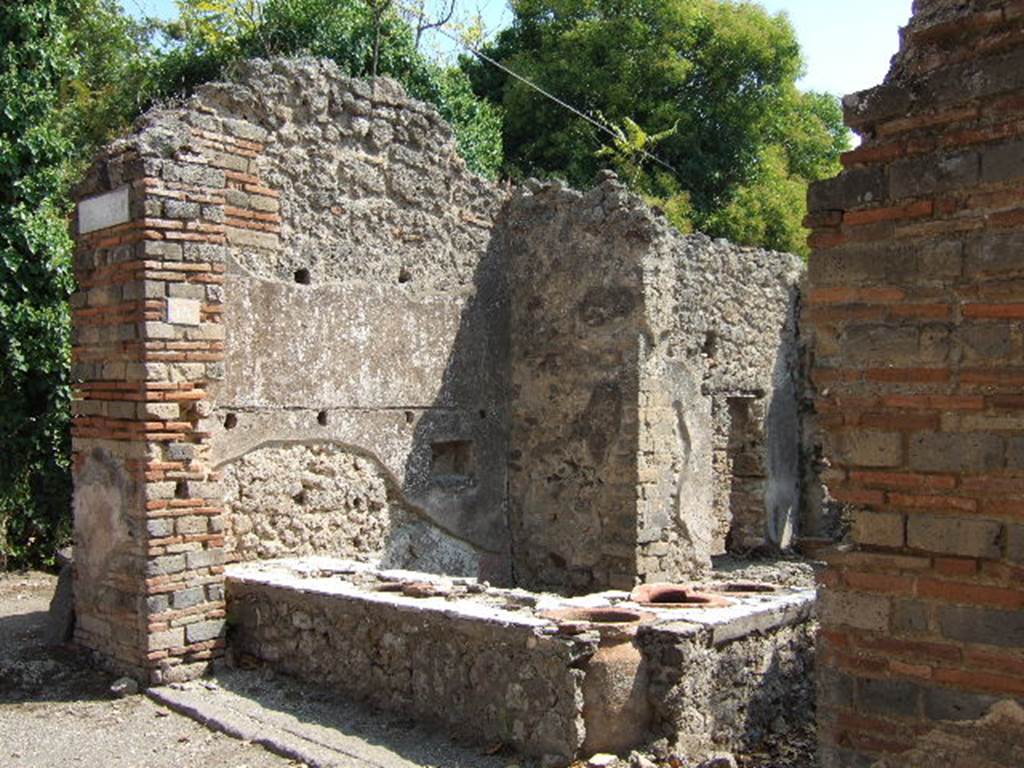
915 302
748 332
305 328
576 303
630 344
363 312
711 694
286 294
491 679
147 344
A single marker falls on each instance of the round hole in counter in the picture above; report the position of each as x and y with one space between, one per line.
230 421
676 596
321 418
302 276
743 587
404 275
600 615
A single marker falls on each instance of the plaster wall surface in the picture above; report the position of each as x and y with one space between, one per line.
372 320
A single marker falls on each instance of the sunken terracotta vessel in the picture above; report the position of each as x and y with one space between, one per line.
676 596
616 712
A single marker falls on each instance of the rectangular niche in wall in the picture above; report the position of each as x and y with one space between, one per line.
747 473
452 462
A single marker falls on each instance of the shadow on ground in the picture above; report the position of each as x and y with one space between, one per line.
32 669
310 723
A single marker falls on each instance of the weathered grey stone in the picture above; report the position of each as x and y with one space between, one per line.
695 686
160 528
927 175
124 686
955 452
103 211
954 535
303 500
177 209
981 625
860 611
165 564
909 617
861 186
1002 162
204 630
205 558
953 704
491 681
61 614
899 698
867 448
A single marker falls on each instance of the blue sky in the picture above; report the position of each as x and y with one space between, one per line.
847 43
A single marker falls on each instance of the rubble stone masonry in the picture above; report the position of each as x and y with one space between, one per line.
304 327
915 306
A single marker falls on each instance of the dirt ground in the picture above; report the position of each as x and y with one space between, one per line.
57 711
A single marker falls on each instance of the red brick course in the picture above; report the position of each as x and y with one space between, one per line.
915 305
142 379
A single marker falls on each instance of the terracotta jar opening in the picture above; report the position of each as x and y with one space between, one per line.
676 596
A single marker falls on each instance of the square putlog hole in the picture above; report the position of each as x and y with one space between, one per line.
452 461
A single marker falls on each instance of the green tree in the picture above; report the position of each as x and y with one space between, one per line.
722 72
69 74
359 36
34 275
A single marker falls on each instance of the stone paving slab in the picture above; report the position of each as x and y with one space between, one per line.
315 727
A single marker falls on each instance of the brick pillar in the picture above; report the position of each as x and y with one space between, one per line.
916 301
148 342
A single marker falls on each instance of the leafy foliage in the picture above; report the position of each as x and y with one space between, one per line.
211 34
721 73
70 72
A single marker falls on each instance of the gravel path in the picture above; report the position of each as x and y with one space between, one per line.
56 712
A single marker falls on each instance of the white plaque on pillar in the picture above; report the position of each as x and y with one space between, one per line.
102 211
183 312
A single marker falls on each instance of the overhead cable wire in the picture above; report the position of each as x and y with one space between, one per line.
529 83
